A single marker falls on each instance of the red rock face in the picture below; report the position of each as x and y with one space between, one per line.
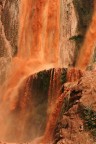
38 48
89 43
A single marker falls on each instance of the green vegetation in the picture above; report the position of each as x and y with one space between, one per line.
78 38
89 117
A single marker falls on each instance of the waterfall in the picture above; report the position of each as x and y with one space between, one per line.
42 45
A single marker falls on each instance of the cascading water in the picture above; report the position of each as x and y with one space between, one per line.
55 85
89 43
38 49
39 30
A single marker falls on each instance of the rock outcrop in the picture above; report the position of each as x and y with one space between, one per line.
63 99
77 122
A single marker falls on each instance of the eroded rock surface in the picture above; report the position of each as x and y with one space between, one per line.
78 121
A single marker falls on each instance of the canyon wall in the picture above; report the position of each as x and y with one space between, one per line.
75 18
8 35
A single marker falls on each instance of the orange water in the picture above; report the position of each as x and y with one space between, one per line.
38 49
38 41
89 43
54 87
39 30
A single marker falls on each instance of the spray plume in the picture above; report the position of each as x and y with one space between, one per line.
38 49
